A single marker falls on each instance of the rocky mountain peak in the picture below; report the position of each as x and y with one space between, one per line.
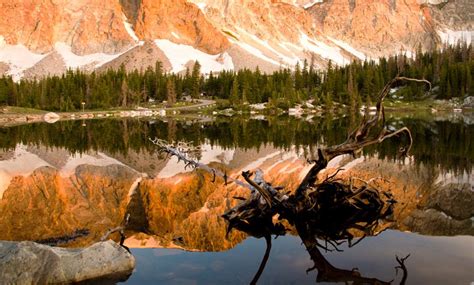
376 27
221 34
180 22
88 26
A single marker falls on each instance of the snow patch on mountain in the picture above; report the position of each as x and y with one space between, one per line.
322 49
175 35
130 31
254 51
77 159
349 48
75 61
291 61
180 54
23 163
201 5
312 3
453 37
305 4
18 57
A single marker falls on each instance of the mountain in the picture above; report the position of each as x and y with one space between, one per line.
39 37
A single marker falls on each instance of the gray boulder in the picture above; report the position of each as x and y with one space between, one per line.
456 200
468 102
33 263
433 222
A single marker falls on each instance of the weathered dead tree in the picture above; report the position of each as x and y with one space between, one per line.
313 200
330 210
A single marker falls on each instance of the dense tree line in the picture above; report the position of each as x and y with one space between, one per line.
450 70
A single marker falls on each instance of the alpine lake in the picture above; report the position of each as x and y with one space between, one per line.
68 183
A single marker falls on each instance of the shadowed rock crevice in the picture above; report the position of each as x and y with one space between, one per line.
138 219
130 9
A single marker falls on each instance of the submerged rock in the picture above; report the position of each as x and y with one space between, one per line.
33 263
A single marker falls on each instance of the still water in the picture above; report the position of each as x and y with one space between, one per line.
68 183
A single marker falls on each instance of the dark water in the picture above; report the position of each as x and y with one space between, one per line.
433 225
433 260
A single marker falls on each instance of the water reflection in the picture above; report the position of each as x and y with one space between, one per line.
56 180
452 139
433 260
324 217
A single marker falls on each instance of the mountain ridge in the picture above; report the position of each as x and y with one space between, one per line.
221 34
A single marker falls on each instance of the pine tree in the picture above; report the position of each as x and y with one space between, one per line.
328 101
158 68
299 82
305 74
245 89
196 80
352 90
170 92
124 92
234 92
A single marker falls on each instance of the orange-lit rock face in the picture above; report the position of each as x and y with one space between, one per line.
88 26
190 205
184 209
267 20
185 206
46 205
180 22
189 209
379 27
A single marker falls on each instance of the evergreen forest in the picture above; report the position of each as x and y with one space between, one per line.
451 71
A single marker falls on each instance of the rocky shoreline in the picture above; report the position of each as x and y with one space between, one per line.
12 118
19 118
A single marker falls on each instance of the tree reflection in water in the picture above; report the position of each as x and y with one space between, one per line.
326 232
340 215
330 209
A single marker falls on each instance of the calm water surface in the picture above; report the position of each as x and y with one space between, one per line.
58 178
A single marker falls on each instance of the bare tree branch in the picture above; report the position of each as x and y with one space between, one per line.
119 229
183 150
361 137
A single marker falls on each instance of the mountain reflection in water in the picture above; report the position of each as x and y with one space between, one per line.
69 183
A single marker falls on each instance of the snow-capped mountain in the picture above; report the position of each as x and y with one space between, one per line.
40 37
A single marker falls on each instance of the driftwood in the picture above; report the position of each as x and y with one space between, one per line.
330 210
121 230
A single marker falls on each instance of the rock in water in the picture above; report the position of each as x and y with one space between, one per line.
33 263
51 118
468 102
